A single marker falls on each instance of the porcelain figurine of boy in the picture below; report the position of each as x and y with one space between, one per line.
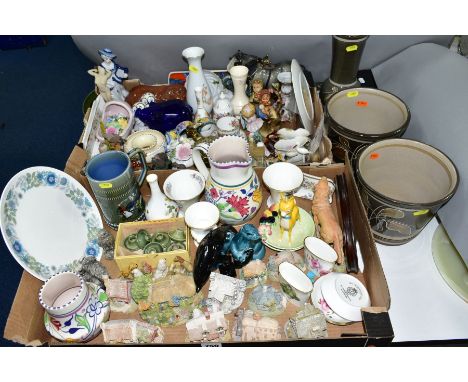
257 87
251 122
119 74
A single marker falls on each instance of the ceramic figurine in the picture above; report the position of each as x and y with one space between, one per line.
106 242
209 327
308 323
119 74
212 254
330 230
257 87
267 301
286 112
225 293
161 270
164 116
196 78
276 259
266 109
180 266
251 326
74 308
247 245
131 332
159 206
200 111
231 184
289 214
167 302
254 273
101 76
222 107
92 270
251 122
239 78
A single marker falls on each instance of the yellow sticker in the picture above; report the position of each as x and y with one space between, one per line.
105 185
352 94
351 48
420 212
193 69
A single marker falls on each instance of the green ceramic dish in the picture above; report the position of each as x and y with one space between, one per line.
153 248
161 238
143 238
130 242
175 246
177 235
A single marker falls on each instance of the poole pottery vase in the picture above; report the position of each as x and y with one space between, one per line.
196 78
117 191
231 184
239 79
159 206
74 309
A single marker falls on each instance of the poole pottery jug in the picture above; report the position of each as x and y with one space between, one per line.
113 182
231 184
74 309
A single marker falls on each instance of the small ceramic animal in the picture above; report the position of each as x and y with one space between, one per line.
247 245
161 270
92 270
289 214
106 242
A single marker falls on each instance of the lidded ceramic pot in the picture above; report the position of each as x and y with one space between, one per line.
74 309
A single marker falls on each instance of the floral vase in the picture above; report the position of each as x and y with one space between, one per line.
239 79
159 206
200 113
197 78
74 309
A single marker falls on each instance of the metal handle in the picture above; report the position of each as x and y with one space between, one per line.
141 156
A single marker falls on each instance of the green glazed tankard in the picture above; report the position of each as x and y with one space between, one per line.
117 191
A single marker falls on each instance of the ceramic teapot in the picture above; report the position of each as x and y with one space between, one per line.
231 183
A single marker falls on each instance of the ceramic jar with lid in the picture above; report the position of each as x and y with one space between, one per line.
74 309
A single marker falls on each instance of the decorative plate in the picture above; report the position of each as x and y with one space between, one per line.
303 97
48 221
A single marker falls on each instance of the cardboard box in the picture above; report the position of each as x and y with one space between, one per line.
25 322
127 259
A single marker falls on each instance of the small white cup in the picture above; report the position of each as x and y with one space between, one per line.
282 177
201 217
319 256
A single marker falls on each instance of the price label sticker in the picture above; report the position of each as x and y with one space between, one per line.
351 48
374 156
352 94
105 185
211 345
362 103
193 69
420 212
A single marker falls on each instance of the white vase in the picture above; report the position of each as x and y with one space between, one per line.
196 78
239 79
201 112
159 206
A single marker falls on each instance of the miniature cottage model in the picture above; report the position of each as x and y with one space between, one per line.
207 327
225 293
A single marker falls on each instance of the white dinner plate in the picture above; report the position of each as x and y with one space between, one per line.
48 221
303 97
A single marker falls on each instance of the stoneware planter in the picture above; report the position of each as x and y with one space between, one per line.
74 309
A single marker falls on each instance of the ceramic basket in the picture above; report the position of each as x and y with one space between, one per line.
126 259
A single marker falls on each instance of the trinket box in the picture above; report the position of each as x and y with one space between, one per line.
225 293
127 259
131 332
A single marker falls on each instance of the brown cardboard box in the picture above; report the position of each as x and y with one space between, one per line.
25 322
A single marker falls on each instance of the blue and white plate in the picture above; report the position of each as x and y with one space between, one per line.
48 221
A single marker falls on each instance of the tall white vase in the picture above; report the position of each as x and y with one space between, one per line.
239 79
196 78
159 206
201 112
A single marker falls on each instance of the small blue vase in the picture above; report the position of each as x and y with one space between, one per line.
164 116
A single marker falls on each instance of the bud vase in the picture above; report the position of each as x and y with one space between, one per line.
201 112
159 206
239 79
74 309
196 78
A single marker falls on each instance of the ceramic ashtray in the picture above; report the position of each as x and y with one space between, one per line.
340 297
254 273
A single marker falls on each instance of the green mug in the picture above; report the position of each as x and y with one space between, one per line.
115 187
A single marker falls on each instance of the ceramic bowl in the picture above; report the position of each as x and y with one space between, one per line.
319 256
184 187
201 217
282 177
228 126
152 142
294 283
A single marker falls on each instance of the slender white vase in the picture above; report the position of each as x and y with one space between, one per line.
197 78
159 206
239 79
201 112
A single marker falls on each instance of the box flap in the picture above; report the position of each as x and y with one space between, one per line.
25 322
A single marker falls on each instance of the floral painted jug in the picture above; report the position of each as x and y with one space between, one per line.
74 309
231 183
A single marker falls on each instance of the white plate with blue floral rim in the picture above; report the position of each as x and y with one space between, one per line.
48 221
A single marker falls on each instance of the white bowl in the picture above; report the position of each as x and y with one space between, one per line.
346 295
320 303
201 215
184 187
320 257
282 177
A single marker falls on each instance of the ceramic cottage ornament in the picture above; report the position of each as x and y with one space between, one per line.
308 323
196 78
225 293
252 327
207 327
267 301
131 332
74 309
159 206
254 273
119 74
118 291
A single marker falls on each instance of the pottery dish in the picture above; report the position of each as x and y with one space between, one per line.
294 283
184 187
